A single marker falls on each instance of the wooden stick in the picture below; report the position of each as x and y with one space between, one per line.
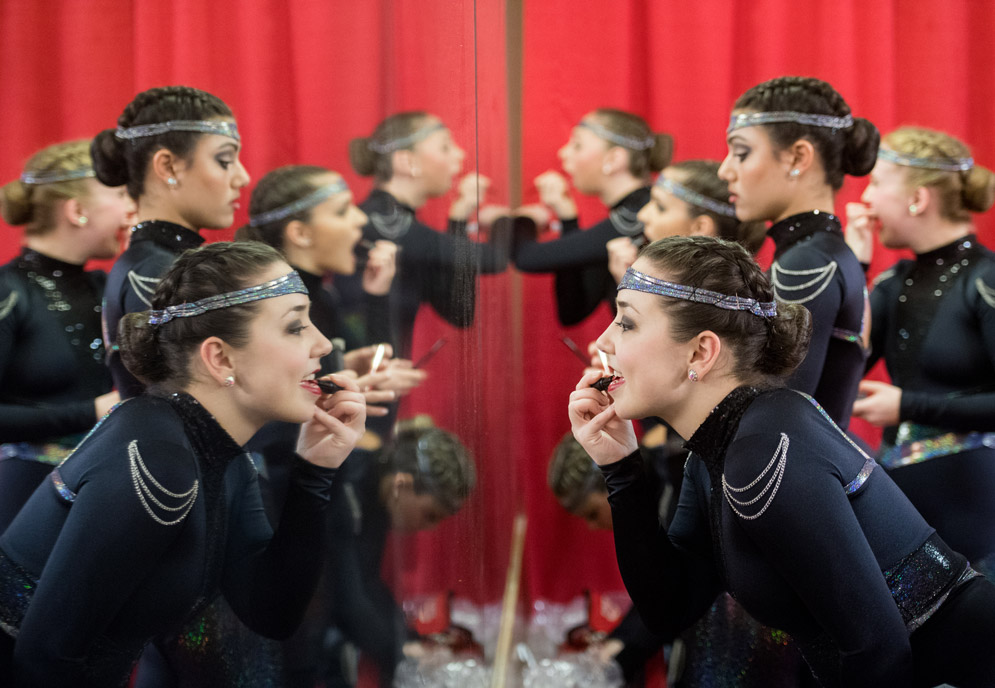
502 654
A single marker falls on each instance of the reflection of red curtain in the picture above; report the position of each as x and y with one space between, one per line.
304 77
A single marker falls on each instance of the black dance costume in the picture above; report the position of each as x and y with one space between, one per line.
814 267
51 369
154 247
432 267
156 511
579 259
934 324
780 508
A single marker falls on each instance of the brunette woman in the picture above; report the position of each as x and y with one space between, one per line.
791 140
611 154
412 158
176 148
779 506
158 509
934 325
50 315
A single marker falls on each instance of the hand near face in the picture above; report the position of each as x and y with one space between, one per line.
881 403
381 266
338 422
622 254
859 232
472 190
554 191
605 436
360 360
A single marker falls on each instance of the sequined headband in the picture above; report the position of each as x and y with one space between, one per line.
939 163
288 284
752 119
56 176
205 126
294 207
638 281
618 139
405 141
694 198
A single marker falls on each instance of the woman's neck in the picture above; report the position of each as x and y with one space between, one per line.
698 404
618 187
58 244
407 191
151 208
219 403
940 232
815 197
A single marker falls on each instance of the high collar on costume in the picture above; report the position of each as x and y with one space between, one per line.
384 201
50 267
634 200
624 214
712 438
211 441
167 234
948 254
793 229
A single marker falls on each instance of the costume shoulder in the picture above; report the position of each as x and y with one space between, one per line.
12 296
138 452
804 272
983 279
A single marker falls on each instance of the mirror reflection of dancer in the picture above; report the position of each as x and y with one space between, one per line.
50 315
779 506
791 140
176 148
412 158
611 154
158 510
688 199
934 324
423 477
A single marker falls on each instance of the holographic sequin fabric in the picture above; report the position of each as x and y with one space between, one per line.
921 582
943 164
52 453
618 139
17 587
638 281
916 443
752 119
305 203
210 126
694 198
61 487
288 284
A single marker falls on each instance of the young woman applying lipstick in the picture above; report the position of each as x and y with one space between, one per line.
779 506
158 509
176 148
791 140
50 315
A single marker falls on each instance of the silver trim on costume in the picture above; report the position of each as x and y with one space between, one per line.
309 201
204 126
777 463
752 119
53 177
986 292
618 139
7 305
625 221
141 477
144 287
392 226
939 163
824 275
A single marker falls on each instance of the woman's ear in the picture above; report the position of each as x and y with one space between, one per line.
921 199
73 212
298 234
215 356
616 159
705 354
704 225
164 166
799 156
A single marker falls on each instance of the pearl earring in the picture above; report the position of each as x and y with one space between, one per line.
913 209
794 173
693 375
83 219
172 182
230 381
606 169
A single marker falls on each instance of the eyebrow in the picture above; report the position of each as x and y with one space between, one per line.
299 309
625 304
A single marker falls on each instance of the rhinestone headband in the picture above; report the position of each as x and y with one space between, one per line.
618 139
752 119
941 163
294 207
694 198
638 281
288 284
57 176
203 126
405 141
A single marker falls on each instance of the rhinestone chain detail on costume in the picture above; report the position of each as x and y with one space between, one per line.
140 477
778 463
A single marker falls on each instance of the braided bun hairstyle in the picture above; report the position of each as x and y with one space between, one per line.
159 355
703 176
573 475
765 349
278 188
380 166
959 193
641 162
437 460
36 206
118 162
843 151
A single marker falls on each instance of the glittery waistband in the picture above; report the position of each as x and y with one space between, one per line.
49 452
17 587
916 443
922 581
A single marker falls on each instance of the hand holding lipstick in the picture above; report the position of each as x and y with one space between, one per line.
605 436
338 421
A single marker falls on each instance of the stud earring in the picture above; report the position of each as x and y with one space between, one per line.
83 219
415 172
794 173
606 169
172 182
693 375
913 209
230 381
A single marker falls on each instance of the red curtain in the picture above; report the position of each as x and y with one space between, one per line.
305 76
